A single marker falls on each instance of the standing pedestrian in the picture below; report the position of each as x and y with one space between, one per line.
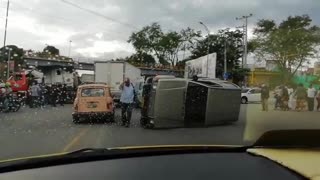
284 99
41 95
127 100
277 96
318 99
291 102
35 94
46 95
146 95
311 93
265 93
301 96
54 95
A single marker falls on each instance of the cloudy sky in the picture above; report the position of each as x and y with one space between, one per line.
35 23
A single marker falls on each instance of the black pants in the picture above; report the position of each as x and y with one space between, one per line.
310 103
278 102
126 112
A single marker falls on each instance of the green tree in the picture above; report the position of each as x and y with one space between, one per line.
143 58
51 50
165 46
16 55
232 40
291 43
238 75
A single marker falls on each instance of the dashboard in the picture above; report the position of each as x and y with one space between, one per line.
222 165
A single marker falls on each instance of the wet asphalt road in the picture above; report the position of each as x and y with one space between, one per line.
31 132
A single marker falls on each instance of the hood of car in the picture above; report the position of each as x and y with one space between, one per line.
303 161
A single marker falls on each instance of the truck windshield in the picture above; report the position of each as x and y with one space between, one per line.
244 90
92 92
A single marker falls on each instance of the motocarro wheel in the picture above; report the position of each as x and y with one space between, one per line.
75 119
244 100
112 117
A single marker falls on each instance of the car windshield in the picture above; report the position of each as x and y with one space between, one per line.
121 73
92 92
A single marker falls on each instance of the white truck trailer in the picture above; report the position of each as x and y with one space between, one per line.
113 74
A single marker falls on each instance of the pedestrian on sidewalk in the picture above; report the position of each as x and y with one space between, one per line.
318 100
291 102
277 96
301 97
127 100
265 97
284 99
311 93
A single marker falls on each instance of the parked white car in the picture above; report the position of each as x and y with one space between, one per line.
250 95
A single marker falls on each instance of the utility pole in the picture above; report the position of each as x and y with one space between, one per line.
69 48
6 25
208 48
5 29
8 64
245 30
225 58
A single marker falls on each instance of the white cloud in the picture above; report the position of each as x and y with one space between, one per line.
101 47
99 35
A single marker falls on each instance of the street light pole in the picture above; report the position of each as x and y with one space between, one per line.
242 44
244 63
208 48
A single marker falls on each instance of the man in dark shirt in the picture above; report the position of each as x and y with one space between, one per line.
146 95
264 97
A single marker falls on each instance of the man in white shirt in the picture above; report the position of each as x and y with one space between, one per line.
311 95
126 99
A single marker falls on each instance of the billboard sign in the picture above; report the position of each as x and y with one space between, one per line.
199 67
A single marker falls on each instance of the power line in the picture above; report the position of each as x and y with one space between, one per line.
98 14
62 19
34 11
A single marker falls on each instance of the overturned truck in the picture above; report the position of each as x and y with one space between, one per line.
177 102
